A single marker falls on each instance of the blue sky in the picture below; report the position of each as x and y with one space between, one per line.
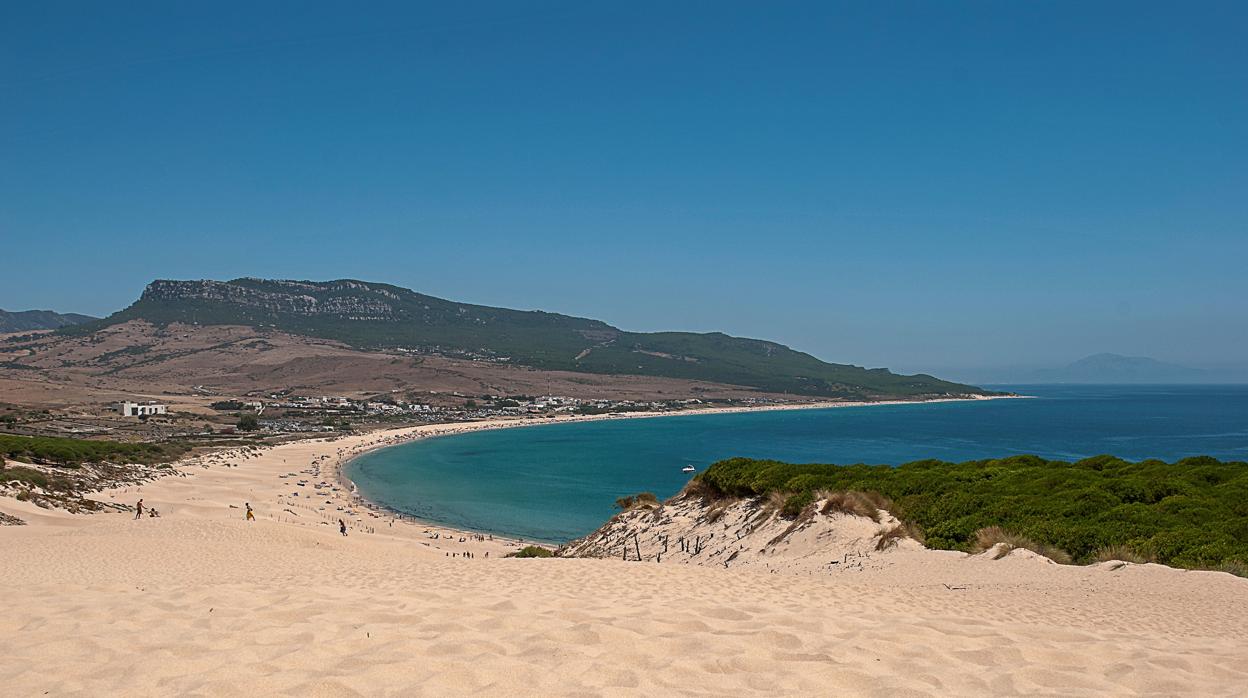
925 186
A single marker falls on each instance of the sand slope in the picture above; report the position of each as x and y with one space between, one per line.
201 602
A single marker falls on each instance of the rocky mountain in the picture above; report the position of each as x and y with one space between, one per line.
28 320
380 316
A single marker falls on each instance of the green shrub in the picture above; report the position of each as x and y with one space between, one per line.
248 422
1192 513
72 452
28 476
533 551
795 504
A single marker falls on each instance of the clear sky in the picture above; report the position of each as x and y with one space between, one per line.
925 185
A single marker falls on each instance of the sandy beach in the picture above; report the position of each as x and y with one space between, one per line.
203 602
325 325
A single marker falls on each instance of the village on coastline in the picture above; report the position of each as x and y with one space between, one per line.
288 413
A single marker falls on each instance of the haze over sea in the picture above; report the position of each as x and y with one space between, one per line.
557 482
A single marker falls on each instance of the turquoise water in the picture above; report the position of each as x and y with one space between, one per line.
557 482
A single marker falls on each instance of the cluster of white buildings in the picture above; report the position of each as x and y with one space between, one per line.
326 402
322 402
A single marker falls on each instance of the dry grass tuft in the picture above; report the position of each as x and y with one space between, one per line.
644 500
715 513
794 526
1124 553
775 501
987 538
1235 567
866 504
902 530
697 489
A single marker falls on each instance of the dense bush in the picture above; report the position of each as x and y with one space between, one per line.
795 503
1191 513
73 452
533 551
248 422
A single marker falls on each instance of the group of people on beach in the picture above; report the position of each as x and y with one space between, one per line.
250 515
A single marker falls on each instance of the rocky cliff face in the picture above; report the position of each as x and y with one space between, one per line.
345 300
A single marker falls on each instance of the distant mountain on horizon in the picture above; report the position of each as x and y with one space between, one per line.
376 316
1116 368
30 320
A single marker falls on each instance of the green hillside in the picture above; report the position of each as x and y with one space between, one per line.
27 320
381 316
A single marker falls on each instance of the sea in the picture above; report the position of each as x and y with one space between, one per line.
556 482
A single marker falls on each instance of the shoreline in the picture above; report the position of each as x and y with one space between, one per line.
434 431
217 484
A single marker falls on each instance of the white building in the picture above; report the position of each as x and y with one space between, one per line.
134 409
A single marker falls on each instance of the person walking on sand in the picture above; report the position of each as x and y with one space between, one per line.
138 509
342 527
251 515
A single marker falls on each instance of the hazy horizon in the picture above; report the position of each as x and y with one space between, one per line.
926 188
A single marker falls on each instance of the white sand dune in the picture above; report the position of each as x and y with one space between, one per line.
201 602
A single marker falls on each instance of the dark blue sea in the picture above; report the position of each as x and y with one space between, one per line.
557 482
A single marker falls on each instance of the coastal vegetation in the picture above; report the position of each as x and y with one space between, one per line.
1191 513
64 470
533 551
72 453
29 477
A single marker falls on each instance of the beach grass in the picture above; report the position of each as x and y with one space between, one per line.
640 500
1004 542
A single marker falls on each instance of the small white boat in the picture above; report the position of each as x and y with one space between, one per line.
688 469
